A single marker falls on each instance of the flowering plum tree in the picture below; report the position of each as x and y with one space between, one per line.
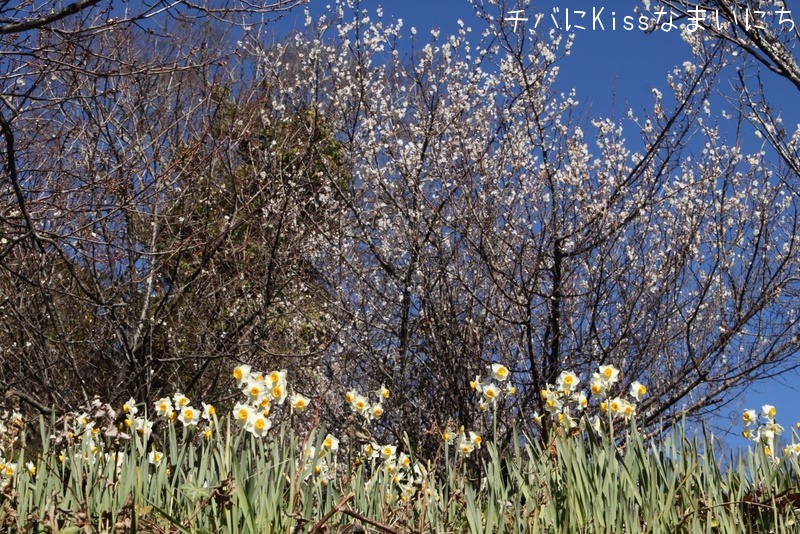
486 221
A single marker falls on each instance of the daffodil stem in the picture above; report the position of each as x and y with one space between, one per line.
494 424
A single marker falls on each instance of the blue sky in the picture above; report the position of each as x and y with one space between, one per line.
611 71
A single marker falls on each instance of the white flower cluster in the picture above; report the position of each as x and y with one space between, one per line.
466 442
766 431
404 480
261 391
83 432
7 471
404 477
565 396
140 425
11 423
178 408
491 393
321 465
360 403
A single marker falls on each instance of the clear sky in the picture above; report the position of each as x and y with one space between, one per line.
611 70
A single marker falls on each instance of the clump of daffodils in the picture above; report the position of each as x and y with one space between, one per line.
134 422
565 400
176 408
764 430
361 405
492 391
792 450
7 471
320 464
11 426
465 442
403 478
91 437
262 392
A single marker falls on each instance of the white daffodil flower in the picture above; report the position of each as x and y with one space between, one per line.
749 417
476 384
376 411
208 412
164 407
331 443
580 399
155 457
189 416
255 390
383 392
609 373
567 382
465 446
360 405
372 450
180 400
278 377
475 439
499 372
598 386
299 402
241 374
388 452
638 390
242 413
258 425
130 407
279 392
491 392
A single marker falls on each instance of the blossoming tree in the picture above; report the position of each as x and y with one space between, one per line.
486 221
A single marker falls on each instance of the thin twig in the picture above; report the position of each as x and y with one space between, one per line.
385 528
321 523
